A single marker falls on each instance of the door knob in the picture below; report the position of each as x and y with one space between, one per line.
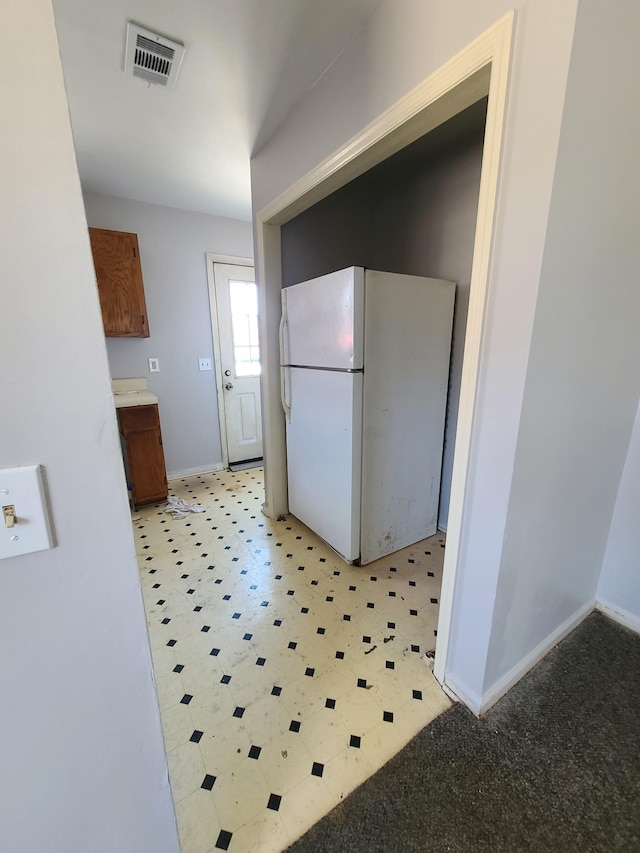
228 386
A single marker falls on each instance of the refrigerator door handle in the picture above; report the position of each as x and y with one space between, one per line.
283 323
283 369
283 393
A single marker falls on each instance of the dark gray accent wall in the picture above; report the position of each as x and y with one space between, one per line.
415 213
334 234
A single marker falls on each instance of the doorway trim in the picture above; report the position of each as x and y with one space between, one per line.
479 69
212 259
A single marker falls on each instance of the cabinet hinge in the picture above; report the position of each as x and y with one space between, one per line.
142 319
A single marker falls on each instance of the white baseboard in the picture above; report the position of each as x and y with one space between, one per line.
189 472
442 528
462 694
491 696
479 705
246 466
448 691
624 617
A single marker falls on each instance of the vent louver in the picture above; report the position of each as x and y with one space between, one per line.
152 57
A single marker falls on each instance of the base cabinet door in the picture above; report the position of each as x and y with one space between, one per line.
140 428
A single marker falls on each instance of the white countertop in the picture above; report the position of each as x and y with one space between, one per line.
132 392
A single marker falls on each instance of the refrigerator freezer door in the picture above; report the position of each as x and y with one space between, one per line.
323 321
324 455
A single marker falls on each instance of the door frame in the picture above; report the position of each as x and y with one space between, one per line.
212 259
482 68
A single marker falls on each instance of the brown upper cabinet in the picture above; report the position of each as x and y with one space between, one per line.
116 258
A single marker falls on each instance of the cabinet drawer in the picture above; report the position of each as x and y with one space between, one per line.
138 419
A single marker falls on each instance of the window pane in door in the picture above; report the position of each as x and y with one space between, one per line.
253 329
247 361
241 332
244 313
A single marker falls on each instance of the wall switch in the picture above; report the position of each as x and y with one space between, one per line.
205 364
154 365
25 526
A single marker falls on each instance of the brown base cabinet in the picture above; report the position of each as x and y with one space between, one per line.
140 430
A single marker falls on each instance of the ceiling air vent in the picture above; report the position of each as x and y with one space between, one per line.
152 57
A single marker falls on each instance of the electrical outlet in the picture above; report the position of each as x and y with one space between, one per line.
154 365
205 364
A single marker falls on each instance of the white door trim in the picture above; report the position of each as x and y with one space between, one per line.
213 258
480 68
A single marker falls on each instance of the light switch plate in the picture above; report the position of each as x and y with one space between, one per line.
154 365
205 363
23 489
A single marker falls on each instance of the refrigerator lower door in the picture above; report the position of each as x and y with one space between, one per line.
324 455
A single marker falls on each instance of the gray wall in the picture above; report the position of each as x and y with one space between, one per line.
425 225
413 214
173 244
402 43
619 586
83 762
583 382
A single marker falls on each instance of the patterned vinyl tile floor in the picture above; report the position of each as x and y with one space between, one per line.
285 677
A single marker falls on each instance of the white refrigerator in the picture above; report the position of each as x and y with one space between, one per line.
364 374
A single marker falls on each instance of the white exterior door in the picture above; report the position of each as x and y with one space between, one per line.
238 373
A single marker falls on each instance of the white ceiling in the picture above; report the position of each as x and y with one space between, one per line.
247 62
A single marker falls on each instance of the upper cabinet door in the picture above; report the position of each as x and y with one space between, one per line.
116 258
